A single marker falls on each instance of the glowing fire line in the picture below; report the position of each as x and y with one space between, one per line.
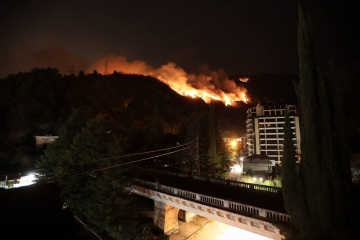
209 85
227 98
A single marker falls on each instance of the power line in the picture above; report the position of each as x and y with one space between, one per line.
106 64
122 164
72 69
104 159
132 154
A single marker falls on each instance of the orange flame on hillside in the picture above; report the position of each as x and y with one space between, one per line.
244 79
209 85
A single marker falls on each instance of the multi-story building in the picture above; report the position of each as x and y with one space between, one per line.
265 132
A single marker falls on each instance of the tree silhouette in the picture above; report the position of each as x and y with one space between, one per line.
318 197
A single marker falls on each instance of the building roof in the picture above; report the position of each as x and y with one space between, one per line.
275 102
258 158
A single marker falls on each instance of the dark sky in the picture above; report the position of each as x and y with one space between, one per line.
240 36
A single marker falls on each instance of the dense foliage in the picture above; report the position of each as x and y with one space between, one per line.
147 112
82 161
39 103
318 195
98 118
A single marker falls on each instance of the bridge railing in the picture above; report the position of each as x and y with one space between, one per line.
218 202
258 187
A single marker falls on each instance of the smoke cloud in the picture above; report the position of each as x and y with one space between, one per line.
24 58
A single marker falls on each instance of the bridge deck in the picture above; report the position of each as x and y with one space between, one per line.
261 199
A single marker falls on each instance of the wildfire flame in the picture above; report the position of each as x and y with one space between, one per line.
243 79
209 85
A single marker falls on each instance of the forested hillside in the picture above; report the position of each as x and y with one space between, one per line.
99 120
39 103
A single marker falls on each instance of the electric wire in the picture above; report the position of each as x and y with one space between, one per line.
103 159
132 154
122 164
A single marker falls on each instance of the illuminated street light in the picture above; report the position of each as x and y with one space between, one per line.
233 143
26 180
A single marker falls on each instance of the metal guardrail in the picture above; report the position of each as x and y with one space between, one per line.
218 202
258 187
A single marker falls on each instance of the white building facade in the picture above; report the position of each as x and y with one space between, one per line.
265 129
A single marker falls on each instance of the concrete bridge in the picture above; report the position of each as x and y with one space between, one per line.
174 203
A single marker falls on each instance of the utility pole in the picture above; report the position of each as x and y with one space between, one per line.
72 69
106 64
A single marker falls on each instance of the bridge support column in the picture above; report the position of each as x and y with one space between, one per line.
186 216
165 216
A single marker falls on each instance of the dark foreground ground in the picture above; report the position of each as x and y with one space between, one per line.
35 212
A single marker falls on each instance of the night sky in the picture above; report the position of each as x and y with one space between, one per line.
239 36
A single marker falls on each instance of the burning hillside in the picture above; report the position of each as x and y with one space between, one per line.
209 85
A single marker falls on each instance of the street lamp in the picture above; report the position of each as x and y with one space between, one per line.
233 143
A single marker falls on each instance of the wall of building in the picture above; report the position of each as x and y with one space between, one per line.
265 131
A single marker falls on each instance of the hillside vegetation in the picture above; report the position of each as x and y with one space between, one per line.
144 110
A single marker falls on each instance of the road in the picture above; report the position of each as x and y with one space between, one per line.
219 231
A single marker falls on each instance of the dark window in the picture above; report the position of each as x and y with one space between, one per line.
272 152
271 131
269 120
271 136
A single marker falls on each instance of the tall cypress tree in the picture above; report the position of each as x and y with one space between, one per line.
218 164
213 129
319 196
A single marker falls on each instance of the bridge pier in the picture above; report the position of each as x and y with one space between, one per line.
165 216
186 216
